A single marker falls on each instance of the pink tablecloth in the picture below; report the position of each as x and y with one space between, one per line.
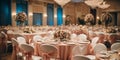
65 51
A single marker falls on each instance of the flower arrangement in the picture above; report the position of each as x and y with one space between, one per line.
89 18
62 35
28 30
106 18
21 17
111 30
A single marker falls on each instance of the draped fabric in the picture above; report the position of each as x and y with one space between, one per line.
5 12
22 6
37 19
59 15
50 14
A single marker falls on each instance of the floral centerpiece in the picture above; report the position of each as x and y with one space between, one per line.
62 35
28 30
89 19
106 18
113 29
21 17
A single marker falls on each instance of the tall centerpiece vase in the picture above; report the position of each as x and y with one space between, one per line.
106 19
22 24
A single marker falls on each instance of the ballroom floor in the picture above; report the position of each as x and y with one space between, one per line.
6 56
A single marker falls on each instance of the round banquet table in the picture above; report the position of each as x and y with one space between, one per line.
64 49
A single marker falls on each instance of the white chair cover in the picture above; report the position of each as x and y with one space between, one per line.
91 57
73 36
37 38
2 35
21 40
100 48
80 58
49 49
79 50
94 41
115 46
82 37
9 32
29 49
14 42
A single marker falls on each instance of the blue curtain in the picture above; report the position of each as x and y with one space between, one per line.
50 14
22 6
5 12
37 19
59 15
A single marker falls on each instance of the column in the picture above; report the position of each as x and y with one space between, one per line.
44 14
30 13
64 16
55 15
13 9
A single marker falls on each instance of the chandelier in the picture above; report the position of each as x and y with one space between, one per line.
62 2
97 3
104 5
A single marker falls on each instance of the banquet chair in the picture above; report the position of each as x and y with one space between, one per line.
10 31
8 41
73 36
10 36
82 37
112 38
37 38
79 50
50 52
115 46
16 54
78 57
28 51
4 30
21 40
94 41
82 50
4 42
100 49
19 35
